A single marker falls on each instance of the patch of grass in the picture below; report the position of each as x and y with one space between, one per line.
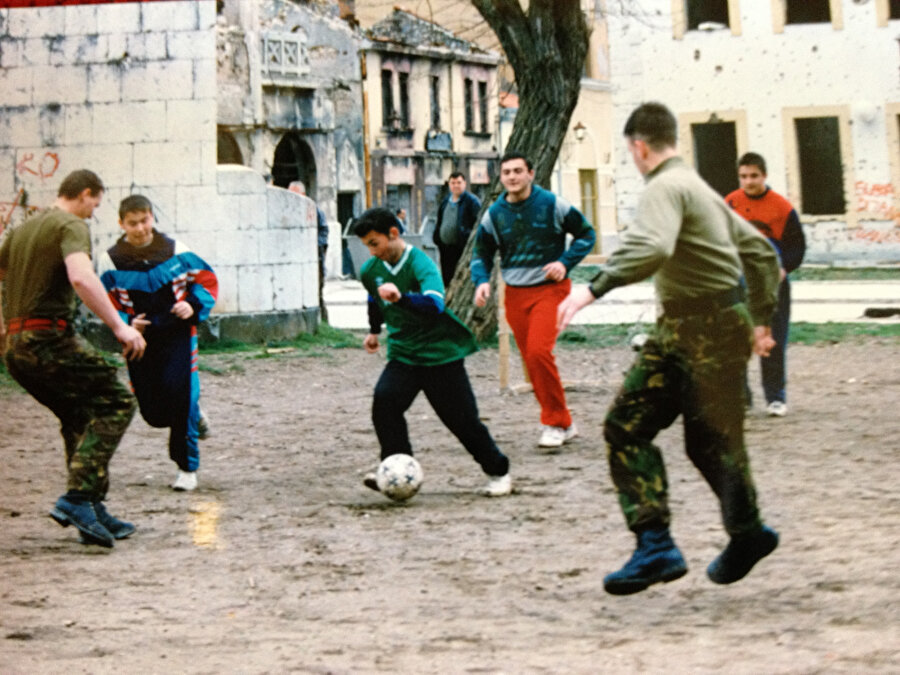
326 337
814 273
812 333
583 274
6 381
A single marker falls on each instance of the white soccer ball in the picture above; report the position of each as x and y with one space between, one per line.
399 477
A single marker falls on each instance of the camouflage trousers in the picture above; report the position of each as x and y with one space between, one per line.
693 366
66 374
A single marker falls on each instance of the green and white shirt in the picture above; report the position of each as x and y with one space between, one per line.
417 337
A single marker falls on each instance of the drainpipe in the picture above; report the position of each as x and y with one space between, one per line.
365 110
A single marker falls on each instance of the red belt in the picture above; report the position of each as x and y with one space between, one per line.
18 325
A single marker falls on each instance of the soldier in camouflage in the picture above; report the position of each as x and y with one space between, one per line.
44 263
693 364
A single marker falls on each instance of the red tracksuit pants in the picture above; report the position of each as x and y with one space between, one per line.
531 313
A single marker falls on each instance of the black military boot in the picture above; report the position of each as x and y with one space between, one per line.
741 554
656 559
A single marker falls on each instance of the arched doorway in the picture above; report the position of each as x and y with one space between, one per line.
294 160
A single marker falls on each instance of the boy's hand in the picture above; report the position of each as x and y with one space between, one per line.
389 292
482 293
371 343
182 309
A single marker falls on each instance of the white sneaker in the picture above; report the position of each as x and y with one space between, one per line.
776 409
185 481
498 486
554 437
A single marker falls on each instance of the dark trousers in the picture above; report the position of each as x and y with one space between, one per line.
450 256
450 394
167 387
694 367
71 378
773 366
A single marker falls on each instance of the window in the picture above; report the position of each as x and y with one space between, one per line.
703 15
587 180
785 12
886 10
715 154
820 165
470 104
387 96
808 11
404 99
894 9
700 12
483 106
435 102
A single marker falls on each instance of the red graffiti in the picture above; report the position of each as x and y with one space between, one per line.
7 209
44 167
876 199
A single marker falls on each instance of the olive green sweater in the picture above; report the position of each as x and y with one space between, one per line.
693 244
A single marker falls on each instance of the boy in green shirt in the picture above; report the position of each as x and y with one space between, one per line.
426 348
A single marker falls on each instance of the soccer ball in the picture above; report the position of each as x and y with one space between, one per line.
399 477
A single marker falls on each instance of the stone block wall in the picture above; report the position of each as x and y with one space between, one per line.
128 90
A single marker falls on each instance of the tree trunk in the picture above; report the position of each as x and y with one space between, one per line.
546 48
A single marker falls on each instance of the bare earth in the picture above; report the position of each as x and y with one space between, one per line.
283 562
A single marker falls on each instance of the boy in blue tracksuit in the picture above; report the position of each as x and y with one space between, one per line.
164 290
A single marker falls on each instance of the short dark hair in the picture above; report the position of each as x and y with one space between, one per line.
79 180
377 219
753 159
510 155
134 203
654 124
457 174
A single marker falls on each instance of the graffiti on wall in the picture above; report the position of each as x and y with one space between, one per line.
31 166
877 200
42 167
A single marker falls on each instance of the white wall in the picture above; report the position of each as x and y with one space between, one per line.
761 72
128 90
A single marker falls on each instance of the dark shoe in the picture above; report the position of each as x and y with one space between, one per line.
656 559
370 481
741 554
81 514
119 529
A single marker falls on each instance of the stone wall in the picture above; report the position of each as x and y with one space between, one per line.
758 74
128 89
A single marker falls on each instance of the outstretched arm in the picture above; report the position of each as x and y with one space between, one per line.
88 287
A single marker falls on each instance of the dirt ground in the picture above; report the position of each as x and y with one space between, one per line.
283 562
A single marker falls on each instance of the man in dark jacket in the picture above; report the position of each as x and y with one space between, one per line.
457 215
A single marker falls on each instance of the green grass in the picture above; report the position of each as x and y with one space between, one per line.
584 273
617 335
325 338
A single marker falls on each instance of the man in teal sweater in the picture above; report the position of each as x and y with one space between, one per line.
426 348
528 226
687 238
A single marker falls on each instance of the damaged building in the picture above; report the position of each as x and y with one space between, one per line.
431 109
290 101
